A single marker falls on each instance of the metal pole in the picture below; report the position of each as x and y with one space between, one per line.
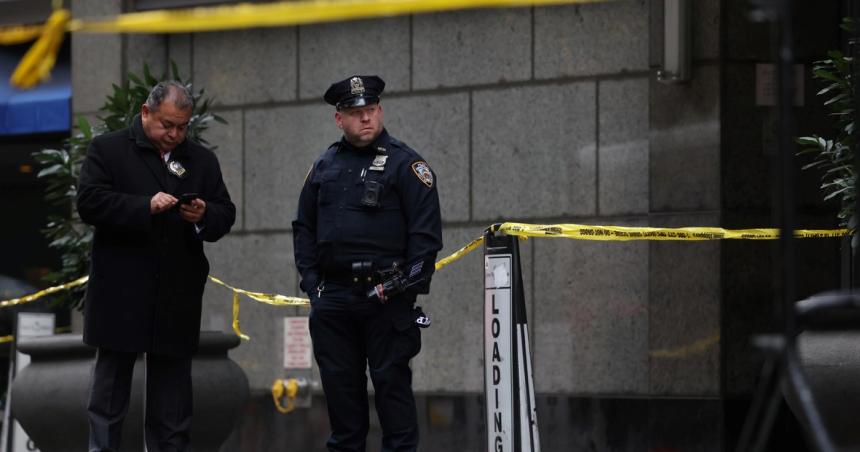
785 170
810 417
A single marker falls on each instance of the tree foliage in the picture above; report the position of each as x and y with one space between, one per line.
834 156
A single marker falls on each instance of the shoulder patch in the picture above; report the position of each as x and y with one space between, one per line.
422 171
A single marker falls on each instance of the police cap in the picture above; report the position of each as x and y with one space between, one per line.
355 91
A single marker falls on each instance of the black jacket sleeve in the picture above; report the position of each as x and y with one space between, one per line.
220 210
98 202
420 206
305 235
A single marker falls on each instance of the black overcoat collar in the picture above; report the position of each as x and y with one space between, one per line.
152 158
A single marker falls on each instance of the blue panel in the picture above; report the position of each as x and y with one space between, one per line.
42 109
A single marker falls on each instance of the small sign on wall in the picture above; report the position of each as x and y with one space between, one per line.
297 343
766 93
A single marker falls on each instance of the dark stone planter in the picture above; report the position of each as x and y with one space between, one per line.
831 362
49 396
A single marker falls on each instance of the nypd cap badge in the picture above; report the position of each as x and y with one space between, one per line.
422 171
356 86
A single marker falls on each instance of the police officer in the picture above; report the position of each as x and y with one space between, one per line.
369 203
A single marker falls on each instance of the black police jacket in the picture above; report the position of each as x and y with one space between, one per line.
377 204
148 271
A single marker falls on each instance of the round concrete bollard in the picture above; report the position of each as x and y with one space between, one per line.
220 391
49 396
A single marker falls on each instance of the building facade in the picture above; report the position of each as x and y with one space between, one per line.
539 115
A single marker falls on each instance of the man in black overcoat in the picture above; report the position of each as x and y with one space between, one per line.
153 197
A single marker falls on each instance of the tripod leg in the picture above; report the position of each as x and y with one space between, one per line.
808 415
762 396
769 415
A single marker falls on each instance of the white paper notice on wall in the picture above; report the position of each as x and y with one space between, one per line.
297 343
766 93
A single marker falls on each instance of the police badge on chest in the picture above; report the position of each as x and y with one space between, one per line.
177 169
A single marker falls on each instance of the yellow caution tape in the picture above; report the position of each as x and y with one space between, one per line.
524 230
696 347
460 253
268 298
43 293
279 14
19 34
283 300
274 299
624 233
288 388
235 324
40 58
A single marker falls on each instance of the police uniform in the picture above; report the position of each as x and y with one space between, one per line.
360 210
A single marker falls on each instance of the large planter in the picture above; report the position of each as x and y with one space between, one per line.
49 396
831 362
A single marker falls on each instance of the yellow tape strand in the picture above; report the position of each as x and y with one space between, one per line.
280 14
571 231
624 233
236 328
524 230
457 255
19 34
40 58
268 298
43 293
696 347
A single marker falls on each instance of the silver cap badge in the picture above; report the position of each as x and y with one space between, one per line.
356 86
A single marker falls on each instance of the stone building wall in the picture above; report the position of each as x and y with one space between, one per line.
539 115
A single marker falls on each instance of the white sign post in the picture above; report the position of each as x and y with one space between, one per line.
508 383
498 356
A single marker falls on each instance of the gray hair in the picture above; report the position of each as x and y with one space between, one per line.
178 93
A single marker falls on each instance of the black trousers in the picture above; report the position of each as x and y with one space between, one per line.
168 401
351 336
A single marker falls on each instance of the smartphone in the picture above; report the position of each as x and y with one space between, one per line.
187 197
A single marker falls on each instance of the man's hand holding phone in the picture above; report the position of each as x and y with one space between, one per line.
191 207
